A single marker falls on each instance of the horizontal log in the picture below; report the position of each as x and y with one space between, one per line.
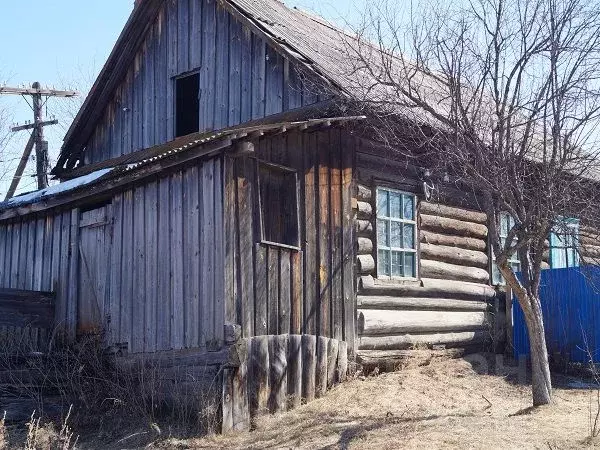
453 226
365 263
428 287
365 210
385 322
420 303
429 237
446 271
364 227
391 360
435 209
591 251
406 341
364 245
455 255
364 193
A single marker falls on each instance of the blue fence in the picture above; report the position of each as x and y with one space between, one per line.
571 307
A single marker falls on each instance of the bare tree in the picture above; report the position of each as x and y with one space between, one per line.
506 95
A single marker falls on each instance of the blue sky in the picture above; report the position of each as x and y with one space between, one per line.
69 43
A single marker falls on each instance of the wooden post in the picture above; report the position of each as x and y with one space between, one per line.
294 370
258 383
332 356
321 367
342 365
509 320
241 413
278 373
227 400
309 348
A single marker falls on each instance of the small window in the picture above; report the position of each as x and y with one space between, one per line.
396 234
507 222
278 188
187 107
564 243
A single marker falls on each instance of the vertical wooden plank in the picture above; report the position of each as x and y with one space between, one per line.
127 285
219 256
246 75
15 263
258 386
222 69
152 257
195 34
321 367
232 314
164 298
3 239
296 294
127 118
49 236
336 236
324 236
117 126
258 76
294 370
273 290
261 296
116 269
235 75
208 71
160 77
138 103
150 89
171 68
207 250
332 356
183 36
342 362
41 254
7 262
73 275
138 323
309 364
294 90
177 268
311 280
25 256
274 82
241 412
65 251
245 215
285 284
278 347
348 284
191 258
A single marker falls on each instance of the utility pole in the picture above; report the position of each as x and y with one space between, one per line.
37 135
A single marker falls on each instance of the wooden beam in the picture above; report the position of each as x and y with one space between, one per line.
32 91
21 167
31 126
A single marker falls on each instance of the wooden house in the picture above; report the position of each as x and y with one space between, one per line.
209 194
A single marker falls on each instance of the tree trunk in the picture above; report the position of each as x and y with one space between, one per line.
541 384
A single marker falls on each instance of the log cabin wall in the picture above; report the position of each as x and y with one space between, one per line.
241 78
274 289
449 302
145 266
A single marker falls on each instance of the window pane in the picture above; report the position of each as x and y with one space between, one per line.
396 235
383 233
397 263
571 257
558 258
383 262
409 236
409 207
395 205
409 265
382 203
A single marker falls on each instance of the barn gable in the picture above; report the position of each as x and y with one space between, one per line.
241 74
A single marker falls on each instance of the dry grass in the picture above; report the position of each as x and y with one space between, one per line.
443 404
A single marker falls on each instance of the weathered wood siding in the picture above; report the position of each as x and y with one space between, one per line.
162 286
449 303
275 290
241 78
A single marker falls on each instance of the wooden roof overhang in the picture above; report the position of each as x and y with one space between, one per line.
118 173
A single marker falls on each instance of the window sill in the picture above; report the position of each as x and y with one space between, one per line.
382 279
278 245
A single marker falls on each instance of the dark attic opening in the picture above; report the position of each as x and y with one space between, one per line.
187 108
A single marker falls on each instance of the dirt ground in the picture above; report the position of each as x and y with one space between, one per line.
435 404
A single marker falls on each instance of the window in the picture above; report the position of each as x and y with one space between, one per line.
396 234
507 222
187 106
563 244
278 187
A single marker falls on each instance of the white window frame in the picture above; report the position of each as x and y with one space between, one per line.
571 223
497 278
391 249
